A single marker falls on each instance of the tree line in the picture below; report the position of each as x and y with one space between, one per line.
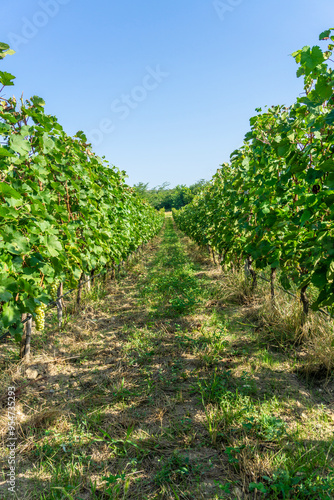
165 197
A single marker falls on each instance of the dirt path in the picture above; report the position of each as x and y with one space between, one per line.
159 389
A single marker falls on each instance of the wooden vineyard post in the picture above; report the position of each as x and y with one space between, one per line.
246 267
92 276
222 260
25 345
60 305
82 277
28 338
87 285
213 256
23 339
253 274
272 284
254 282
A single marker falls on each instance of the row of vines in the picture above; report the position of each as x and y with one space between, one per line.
64 212
273 204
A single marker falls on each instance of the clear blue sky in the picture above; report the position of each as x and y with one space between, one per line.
164 89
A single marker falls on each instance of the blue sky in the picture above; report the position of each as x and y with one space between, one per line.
163 89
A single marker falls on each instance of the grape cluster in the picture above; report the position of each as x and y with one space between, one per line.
40 316
54 288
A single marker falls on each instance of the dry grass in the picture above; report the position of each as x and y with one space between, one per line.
319 345
281 322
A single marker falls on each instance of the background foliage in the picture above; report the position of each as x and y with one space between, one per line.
168 198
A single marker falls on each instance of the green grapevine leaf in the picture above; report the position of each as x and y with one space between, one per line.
6 79
19 144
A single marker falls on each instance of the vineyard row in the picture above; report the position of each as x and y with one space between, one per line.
273 204
64 212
